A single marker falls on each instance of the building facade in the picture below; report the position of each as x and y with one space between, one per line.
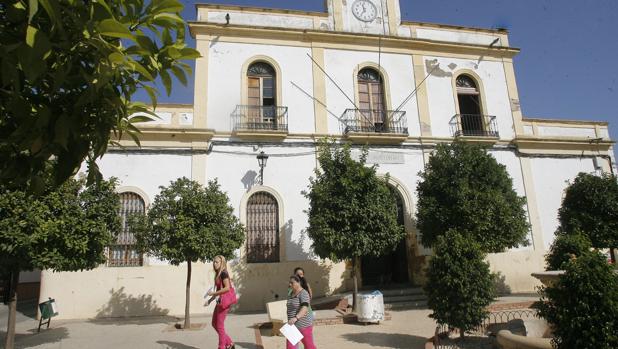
278 81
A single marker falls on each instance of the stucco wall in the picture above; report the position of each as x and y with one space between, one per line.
160 290
225 80
341 66
442 98
455 36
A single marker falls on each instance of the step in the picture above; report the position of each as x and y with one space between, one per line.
402 292
406 305
405 298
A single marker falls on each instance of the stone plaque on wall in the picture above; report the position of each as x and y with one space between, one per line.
381 157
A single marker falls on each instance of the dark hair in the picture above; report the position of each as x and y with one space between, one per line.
297 269
295 278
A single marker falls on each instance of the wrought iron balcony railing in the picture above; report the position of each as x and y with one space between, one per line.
267 118
474 125
378 121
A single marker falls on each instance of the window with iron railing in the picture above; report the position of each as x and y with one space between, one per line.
365 121
262 229
123 253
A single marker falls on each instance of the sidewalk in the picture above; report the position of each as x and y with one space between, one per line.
408 329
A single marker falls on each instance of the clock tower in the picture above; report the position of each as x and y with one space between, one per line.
381 17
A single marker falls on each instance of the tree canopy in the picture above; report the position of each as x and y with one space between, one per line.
68 72
566 247
188 223
590 205
464 188
459 284
582 306
352 212
64 229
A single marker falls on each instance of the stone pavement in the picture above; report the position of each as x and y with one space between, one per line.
408 329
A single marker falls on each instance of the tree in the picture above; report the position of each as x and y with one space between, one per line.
62 229
463 188
459 284
352 212
566 247
188 223
590 205
582 306
68 71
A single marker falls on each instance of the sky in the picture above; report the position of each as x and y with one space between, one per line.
568 65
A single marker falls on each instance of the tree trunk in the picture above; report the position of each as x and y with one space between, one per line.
462 333
188 298
612 254
9 342
355 291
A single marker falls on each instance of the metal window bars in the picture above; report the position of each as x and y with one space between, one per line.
257 117
123 253
474 125
262 229
374 121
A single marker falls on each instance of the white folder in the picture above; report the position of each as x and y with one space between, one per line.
291 333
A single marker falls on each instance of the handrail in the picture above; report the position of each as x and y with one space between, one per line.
376 120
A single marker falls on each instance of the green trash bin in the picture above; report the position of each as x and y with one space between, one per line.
48 310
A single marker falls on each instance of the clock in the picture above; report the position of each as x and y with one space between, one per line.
364 10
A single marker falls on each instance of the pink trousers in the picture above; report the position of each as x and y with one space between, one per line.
218 323
307 340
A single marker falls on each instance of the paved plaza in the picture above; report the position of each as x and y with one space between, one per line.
407 329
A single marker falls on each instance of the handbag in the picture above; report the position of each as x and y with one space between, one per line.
229 298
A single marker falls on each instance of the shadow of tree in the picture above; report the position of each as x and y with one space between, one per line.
28 308
254 282
121 305
244 345
33 339
175 345
396 341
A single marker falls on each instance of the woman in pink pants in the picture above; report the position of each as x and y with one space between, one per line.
298 313
223 285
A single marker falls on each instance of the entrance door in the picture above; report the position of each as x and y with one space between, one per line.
391 268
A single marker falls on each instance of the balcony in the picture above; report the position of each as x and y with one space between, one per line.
474 125
365 125
260 121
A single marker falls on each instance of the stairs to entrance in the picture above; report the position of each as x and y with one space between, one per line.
404 298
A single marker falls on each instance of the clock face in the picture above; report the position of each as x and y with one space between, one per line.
364 10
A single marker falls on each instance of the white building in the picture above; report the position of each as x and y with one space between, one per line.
277 81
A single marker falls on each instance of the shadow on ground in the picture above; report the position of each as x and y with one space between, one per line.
243 345
396 341
175 345
33 339
128 309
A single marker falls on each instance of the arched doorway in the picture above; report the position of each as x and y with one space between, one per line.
390 269
262 228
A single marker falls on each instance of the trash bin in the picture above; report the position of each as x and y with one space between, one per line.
371 307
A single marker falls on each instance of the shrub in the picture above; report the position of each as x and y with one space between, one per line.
582 306
565 247
459 283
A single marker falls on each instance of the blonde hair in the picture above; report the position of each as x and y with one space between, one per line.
222 267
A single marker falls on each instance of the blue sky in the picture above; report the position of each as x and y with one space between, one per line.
568 65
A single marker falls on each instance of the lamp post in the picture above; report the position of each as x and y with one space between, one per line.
262 159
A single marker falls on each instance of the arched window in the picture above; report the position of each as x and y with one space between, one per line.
261 96
123 253
262 228
371 98
468 98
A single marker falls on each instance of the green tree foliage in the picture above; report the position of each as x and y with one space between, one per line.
464 188
590 205
64 229
566 247
459 284
352 212
188 223
68 71
582 306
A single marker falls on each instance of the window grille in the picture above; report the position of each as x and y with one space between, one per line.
123 252
262 229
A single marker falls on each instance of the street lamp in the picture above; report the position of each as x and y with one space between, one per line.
262 159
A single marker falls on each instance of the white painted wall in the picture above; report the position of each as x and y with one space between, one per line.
341 66
287 172
225 80
567 131
260 19
455 36
551 176
442 97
